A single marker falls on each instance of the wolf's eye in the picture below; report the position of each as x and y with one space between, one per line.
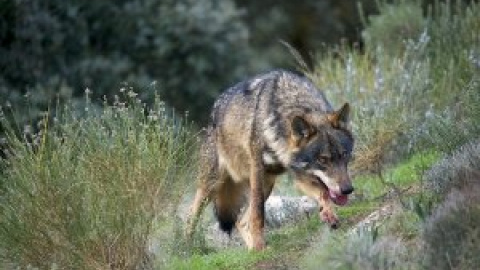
322 159
346 155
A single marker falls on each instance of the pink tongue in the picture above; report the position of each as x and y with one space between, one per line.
338 199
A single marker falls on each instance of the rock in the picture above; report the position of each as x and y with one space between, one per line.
279 211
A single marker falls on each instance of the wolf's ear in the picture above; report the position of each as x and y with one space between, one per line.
301 129
340 118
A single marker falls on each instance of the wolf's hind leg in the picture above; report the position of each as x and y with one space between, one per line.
228 201
315 190
206 180
201 200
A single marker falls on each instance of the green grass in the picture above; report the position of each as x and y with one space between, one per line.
388 244
402 176
290 243
85 192
238 258
357 209
282 244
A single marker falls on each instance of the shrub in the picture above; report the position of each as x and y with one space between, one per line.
455 125
402 101
87 192
451 234
454 49
458 170
363 249
385 93
59 48
394 27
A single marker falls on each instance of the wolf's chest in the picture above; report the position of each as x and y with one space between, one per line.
272 164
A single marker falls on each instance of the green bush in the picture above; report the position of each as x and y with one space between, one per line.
454 50
394 27
386 93
363 249
57 48
413 100
88 192
458 170
451 234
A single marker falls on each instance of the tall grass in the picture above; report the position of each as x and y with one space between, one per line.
419 94
451 233
398 98
364 249
386 93
86 192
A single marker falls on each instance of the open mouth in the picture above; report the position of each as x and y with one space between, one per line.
337 198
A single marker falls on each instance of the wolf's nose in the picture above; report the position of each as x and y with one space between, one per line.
347 190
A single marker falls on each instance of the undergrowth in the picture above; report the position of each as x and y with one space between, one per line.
415 104
86 192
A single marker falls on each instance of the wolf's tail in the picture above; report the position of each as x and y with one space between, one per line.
228 204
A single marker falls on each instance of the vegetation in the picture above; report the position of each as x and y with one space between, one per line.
418 94
59 48
88 192
191 49
93 186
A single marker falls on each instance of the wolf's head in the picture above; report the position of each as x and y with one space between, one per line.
323 146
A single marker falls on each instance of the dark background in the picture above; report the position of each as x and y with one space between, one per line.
186 50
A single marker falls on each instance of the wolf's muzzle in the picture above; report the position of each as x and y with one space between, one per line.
346 190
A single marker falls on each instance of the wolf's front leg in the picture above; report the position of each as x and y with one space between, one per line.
315 190
251 225
253 229
327 214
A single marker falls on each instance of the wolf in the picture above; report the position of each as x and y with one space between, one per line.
260 128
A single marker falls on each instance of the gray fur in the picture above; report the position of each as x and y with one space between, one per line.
260 128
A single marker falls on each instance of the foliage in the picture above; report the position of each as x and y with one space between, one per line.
87 192
455 125
397 99
458 170
308 26
363 249
289 239
237 259
451 234
394 26
386 95
58 48
402 176
421 96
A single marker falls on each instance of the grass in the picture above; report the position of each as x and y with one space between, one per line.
283 244
288 244
413 105
400 177
236 259
390 242
85 192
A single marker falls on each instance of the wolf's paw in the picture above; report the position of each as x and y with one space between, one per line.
330 218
